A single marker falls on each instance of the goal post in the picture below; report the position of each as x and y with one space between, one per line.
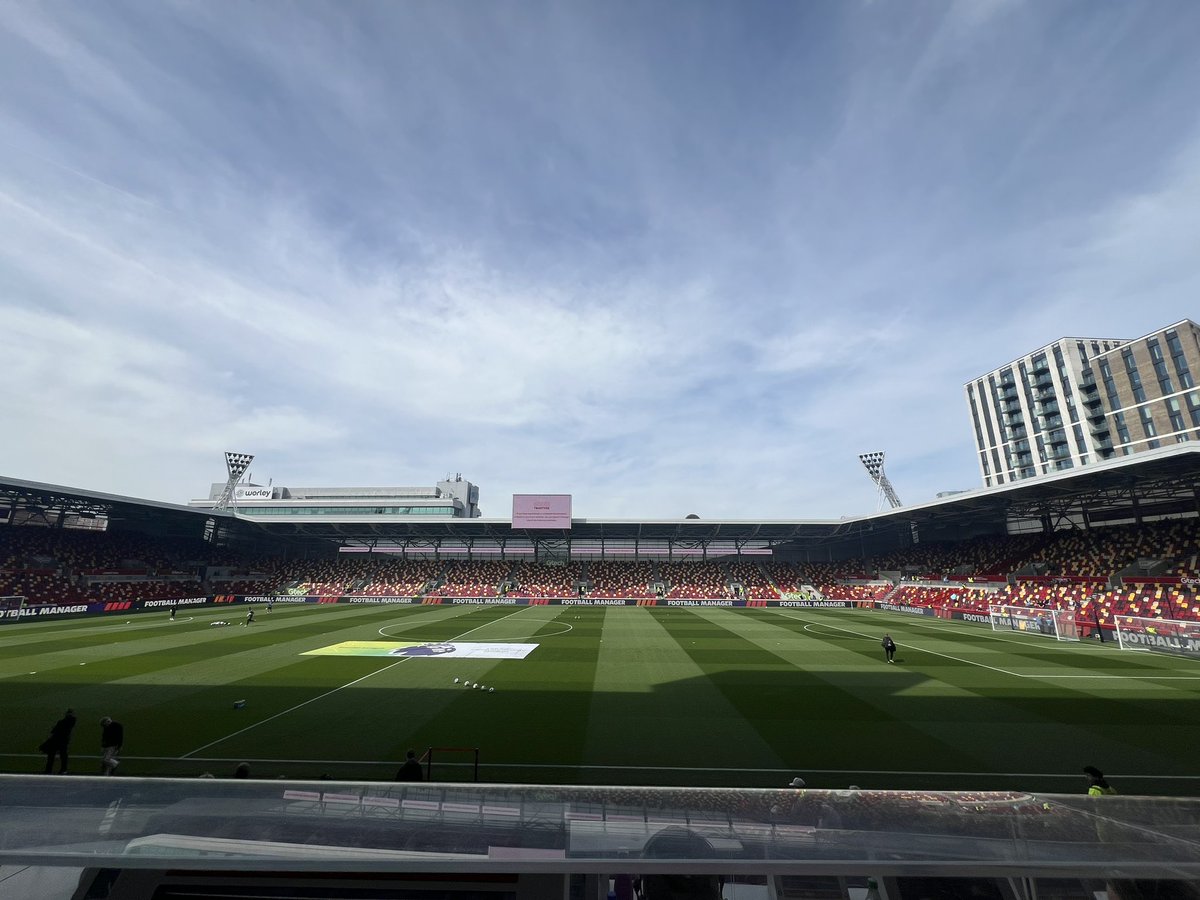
1172 636
1056 623
10 608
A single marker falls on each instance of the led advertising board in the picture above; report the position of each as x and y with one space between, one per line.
541 511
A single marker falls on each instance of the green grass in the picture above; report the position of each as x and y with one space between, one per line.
632 695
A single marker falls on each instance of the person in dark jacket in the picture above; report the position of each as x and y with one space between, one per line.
411 770
112 736
58 742
889 648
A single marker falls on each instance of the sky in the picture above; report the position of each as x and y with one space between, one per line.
668 257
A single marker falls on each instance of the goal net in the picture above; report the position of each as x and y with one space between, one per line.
1162 635
10 608
1055 623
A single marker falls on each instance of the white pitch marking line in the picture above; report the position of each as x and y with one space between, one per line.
336 689
1078 645
813 625
910 646
1032 643
1006 671
383 631
91 628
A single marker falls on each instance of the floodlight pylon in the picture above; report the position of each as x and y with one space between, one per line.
873 463
236 464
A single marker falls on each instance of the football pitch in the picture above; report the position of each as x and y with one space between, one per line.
621 695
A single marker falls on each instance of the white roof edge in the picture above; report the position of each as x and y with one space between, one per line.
1119 341
1150 334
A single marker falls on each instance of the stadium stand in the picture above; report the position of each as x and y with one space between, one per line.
621 579
400 577
1145 570
984 558
941 597
698 580
464 578
547 581
755 584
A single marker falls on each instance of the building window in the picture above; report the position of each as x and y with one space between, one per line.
975 417
1147 421
1160 367
1175 414
1193 402
1122 432
1110 385
1179 360
1135 379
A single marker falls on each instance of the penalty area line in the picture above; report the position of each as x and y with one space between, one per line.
909 646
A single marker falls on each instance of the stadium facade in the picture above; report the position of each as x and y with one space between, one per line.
1078 401
453 498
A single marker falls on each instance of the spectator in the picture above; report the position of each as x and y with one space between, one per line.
112 736
58 742
1097 785
242 770
411 770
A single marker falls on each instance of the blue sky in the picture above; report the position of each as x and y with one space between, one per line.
668 257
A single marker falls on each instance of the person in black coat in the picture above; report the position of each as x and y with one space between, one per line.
889 647
411 770
58 742
112 736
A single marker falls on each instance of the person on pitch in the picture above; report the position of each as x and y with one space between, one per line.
889 648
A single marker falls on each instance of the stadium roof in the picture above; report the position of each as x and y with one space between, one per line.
1152 483
38 497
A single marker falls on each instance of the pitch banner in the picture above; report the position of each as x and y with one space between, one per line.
816 604
425 650
905 608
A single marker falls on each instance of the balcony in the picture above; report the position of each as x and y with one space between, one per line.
1040 366
1057 438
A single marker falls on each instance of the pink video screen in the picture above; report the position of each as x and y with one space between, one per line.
541 511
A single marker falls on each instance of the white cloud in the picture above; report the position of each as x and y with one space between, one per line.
668 272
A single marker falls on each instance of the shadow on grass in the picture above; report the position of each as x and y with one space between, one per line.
872 727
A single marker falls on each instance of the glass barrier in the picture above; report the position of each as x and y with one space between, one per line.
324 825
